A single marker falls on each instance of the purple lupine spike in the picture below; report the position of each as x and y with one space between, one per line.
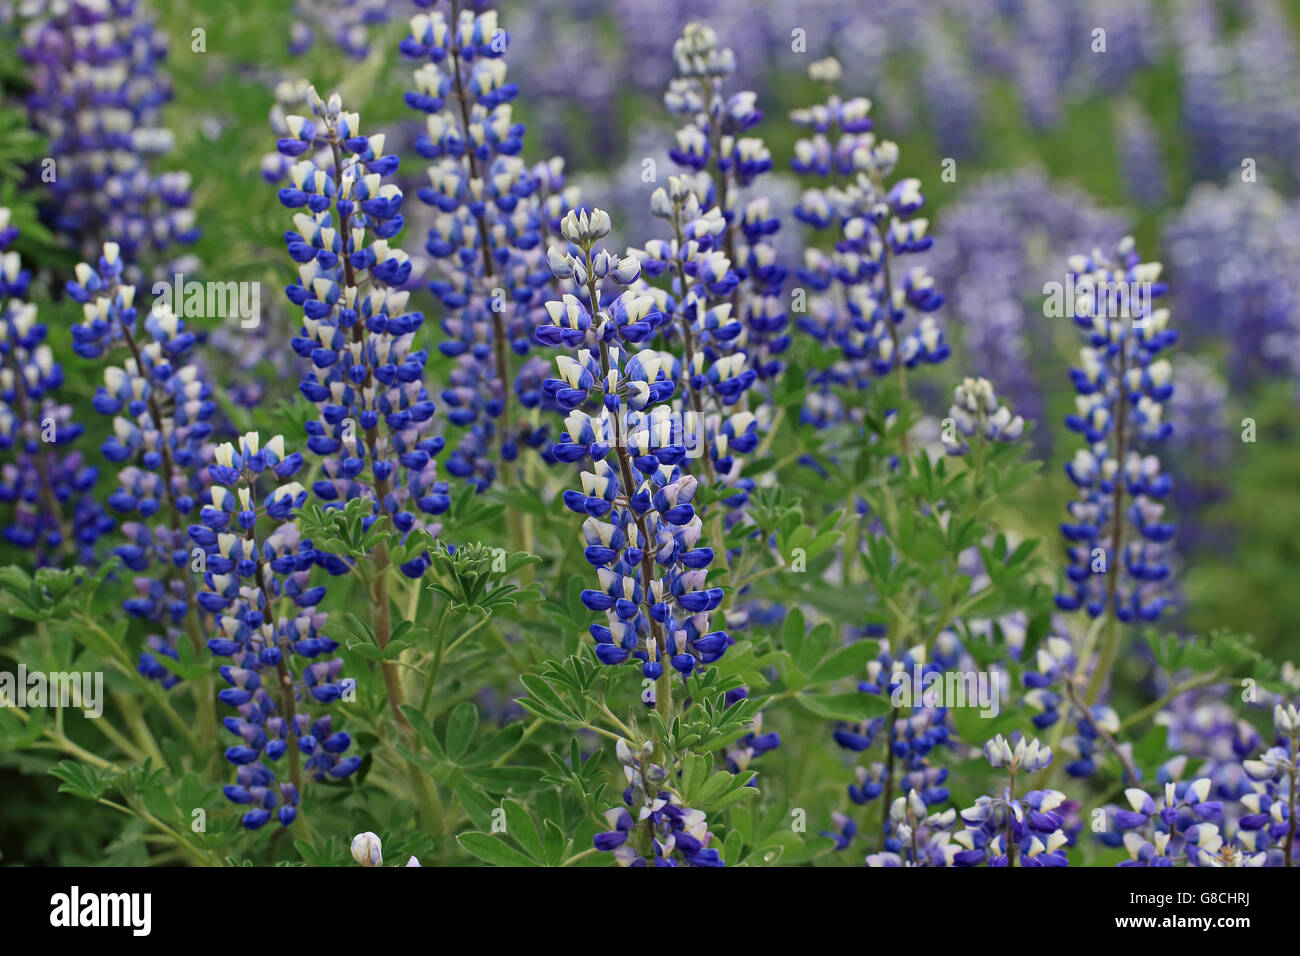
1239 102
1235 251
677 834
1141 161
642 531
976 411
1117 528
917 734
256 585
492 214
162 410
48 483
373 434
862 294
725 304
97 93
1001 243
345 23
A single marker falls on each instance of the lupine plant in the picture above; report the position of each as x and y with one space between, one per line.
97 94
55 515
525 529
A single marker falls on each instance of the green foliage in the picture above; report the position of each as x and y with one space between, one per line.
504 749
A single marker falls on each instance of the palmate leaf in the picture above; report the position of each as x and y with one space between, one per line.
473 577
854 707
496 746
845 662
469 508
711 791
583 778
342 531
82 780
506 779
710 725
563 693
49 593
460 729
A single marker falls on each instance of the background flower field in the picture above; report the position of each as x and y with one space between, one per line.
897 431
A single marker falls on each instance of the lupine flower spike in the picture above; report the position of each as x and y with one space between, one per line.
374 431
1009 829
725 303
655 828
977 411
1117 526
641 529
54 512
162 410
492 214
257 588
862 292
97 94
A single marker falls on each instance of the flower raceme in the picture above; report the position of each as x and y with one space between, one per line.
97 94
641 528
257 587
655 822
722 160
1025 756
714 373
491 215
162 410
1117 532
367 379
861 291
55 514
724 303
977 411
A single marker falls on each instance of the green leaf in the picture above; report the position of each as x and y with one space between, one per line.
522 830
424 729
497 745
852 707
792 632
478 805
81 780
506 779
460 729
846 662
492 849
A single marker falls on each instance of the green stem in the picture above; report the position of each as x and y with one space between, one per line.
470 630
439 640
1158 705
148 687
1105 659
381 621
203 859
143 735
531 729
